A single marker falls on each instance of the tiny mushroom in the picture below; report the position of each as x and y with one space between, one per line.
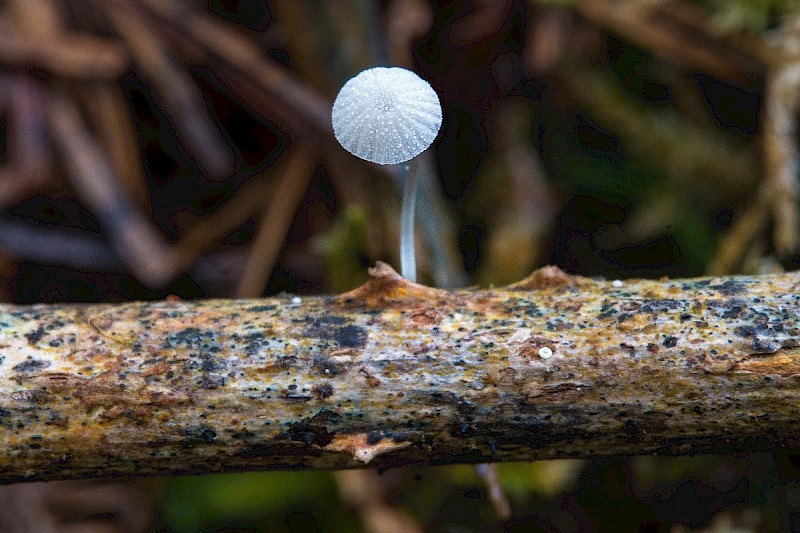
386 115
545 353
389 115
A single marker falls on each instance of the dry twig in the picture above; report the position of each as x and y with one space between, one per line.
673 37
395 373
177 91
135 238
276 220
779 129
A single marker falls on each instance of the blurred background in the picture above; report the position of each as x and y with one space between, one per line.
169 148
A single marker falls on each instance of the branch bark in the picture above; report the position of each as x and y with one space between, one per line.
395 373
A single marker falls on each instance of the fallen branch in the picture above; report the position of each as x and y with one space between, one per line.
395 373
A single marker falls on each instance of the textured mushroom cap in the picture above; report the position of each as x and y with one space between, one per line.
386 115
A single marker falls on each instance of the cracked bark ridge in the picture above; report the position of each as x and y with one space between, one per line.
395 373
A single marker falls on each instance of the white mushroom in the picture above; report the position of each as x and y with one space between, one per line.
389 115
386 115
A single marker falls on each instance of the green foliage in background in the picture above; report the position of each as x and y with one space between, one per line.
260 501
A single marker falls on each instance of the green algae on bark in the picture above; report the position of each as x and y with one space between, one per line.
396 373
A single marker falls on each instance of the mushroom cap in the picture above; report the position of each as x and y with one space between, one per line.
386 115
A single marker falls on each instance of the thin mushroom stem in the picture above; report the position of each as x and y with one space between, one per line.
408 258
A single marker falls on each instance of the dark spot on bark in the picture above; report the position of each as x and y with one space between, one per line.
493 447
765 346
607 310
332 320
761 319
30 365
652 348
670 342
443 398
330 328
730 287
745 331
466 408
350 336
322 391
254 343
628 348
461 430
310 433
255 450
190 338
35 335
659 305
374 437
211 381
199 435
313 428
208 435
261 308
285 362
630 427
398 436
528 309
733 311
244 434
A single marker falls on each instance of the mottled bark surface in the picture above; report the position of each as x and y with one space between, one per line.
395 373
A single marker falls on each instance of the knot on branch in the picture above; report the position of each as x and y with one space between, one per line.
547 277
387 288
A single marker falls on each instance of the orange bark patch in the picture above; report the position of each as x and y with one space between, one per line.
115 394
783 363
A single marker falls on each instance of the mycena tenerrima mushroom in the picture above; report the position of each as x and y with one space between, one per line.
390 115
